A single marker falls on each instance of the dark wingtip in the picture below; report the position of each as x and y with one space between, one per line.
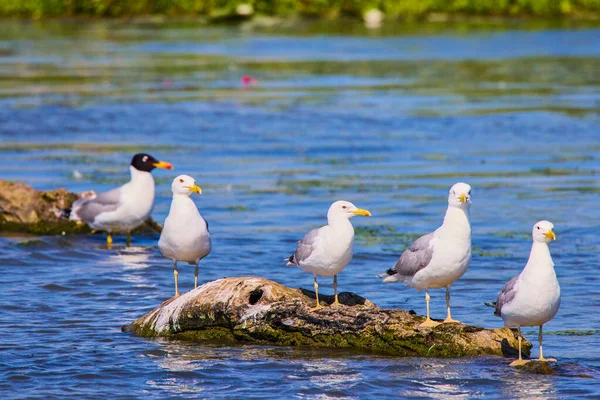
490 304
391 272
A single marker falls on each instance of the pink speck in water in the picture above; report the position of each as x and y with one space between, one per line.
248 80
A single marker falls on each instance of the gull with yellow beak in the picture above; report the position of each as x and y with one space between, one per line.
438 259
185 236
327 250
531 298
124 208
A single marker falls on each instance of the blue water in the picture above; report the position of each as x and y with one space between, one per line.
386 119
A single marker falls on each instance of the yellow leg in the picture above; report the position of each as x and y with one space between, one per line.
196 275
176 274
540 337
520 361
128 239
449 319
109 241
336 303
318 307
428 321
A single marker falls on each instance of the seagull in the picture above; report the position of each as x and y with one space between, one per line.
123 208
185 235
439 258
531 298
327 250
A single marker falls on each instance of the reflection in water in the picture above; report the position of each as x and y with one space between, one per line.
134 257
527 386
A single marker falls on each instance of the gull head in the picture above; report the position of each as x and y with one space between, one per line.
460 196
186 185
543 232
145 162
345 209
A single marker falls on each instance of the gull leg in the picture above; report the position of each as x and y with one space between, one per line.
540 337
317 293
196 275
336 303
109 241
449 319
428 321
128 239
176 274
520 361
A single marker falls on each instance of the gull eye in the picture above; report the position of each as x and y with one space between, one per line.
181 180
538 228
344 207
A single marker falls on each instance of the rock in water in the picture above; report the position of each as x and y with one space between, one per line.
257 310
26 210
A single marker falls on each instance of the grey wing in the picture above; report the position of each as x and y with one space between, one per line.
506 295
87 209
416 257
305 247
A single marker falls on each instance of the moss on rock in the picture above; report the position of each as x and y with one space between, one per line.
26 210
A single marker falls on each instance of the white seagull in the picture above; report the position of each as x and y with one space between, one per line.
438 259
532 298
185 236
124 208
327 250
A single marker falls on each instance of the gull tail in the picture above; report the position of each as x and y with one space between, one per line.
290 261
77 204
490 304
391 275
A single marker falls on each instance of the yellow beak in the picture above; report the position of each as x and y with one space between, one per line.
360 211
463 198
195 189
550 235
163 165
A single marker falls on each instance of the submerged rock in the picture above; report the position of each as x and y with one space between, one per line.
257 310
26 210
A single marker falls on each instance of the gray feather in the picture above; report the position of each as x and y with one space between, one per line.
416 257
305 247
87 209
506 295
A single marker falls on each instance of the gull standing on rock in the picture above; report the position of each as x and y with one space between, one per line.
438 259
123 208
327 250
531 298
185 235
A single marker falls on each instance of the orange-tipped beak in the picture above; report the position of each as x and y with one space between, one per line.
550 235
364 213
163 165
463 198
195 189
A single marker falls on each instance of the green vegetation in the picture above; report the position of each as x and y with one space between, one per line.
228 9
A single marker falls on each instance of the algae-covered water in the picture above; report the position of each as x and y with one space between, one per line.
388 119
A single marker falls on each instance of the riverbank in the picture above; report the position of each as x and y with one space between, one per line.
370 10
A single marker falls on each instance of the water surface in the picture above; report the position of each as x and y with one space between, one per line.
387 119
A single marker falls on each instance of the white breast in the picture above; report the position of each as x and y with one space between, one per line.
333 251
185 236
135 204
537 298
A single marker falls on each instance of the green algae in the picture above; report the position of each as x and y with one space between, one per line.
44 228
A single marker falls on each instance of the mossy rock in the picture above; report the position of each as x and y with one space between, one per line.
257 310
26 210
